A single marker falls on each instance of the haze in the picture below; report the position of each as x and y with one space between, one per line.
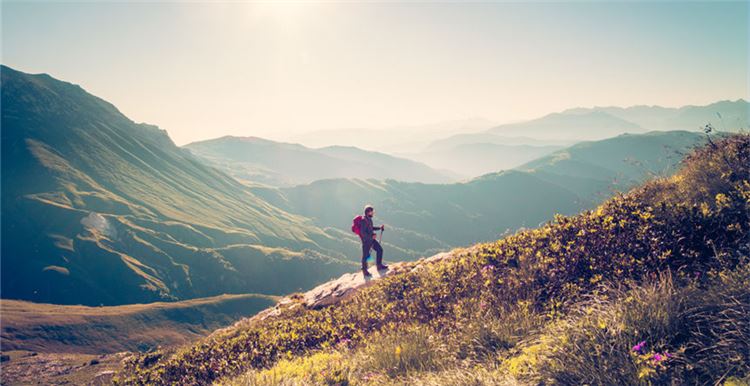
280 70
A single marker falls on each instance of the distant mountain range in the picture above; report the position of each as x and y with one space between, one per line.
510 145
258 160
476 159
393 140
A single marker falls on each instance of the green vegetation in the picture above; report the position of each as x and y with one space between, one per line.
136 327
627 290
100 210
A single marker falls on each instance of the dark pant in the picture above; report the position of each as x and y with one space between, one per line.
371 244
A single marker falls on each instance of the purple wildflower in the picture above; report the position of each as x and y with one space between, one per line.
639 347
658 357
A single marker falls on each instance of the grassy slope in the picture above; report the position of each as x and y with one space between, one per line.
429 218
98 209
693 227
54 328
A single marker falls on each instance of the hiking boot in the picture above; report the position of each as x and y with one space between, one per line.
382 267
366 273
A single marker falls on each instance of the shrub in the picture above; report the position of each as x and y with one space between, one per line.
321 368
402 351
657 333
486 333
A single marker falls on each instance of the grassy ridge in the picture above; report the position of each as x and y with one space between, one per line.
136 327
693 225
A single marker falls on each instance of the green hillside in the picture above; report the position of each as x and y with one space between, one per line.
651 287
55 328
615 163
428 218
98 209
259 160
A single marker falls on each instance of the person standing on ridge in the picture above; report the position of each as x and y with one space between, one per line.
370 241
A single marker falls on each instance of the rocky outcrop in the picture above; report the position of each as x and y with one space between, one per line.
336 291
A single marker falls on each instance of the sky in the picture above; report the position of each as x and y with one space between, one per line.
278 69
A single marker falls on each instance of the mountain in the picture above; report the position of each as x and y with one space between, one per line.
570 126
602 122
282 164
98 209
493 150
393 140
428 218
723 115
476 159
651 287
489 138
615 163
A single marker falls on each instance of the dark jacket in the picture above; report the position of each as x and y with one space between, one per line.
366 229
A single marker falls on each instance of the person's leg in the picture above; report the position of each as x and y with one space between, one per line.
365 252
379 249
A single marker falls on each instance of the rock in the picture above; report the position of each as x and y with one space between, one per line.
335 291
348 284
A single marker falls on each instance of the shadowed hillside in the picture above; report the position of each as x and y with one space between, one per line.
98 209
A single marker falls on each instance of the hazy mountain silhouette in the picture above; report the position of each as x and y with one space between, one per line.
284 164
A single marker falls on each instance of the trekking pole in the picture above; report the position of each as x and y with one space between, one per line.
381 235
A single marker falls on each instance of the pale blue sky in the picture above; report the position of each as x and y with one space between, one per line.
201 69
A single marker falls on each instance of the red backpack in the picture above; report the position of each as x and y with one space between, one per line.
356 223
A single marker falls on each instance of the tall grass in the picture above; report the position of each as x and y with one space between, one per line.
654 333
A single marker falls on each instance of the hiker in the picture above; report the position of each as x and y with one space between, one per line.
369 239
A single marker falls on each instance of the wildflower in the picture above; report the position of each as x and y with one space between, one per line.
657 357
483 305
639 347
398 350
